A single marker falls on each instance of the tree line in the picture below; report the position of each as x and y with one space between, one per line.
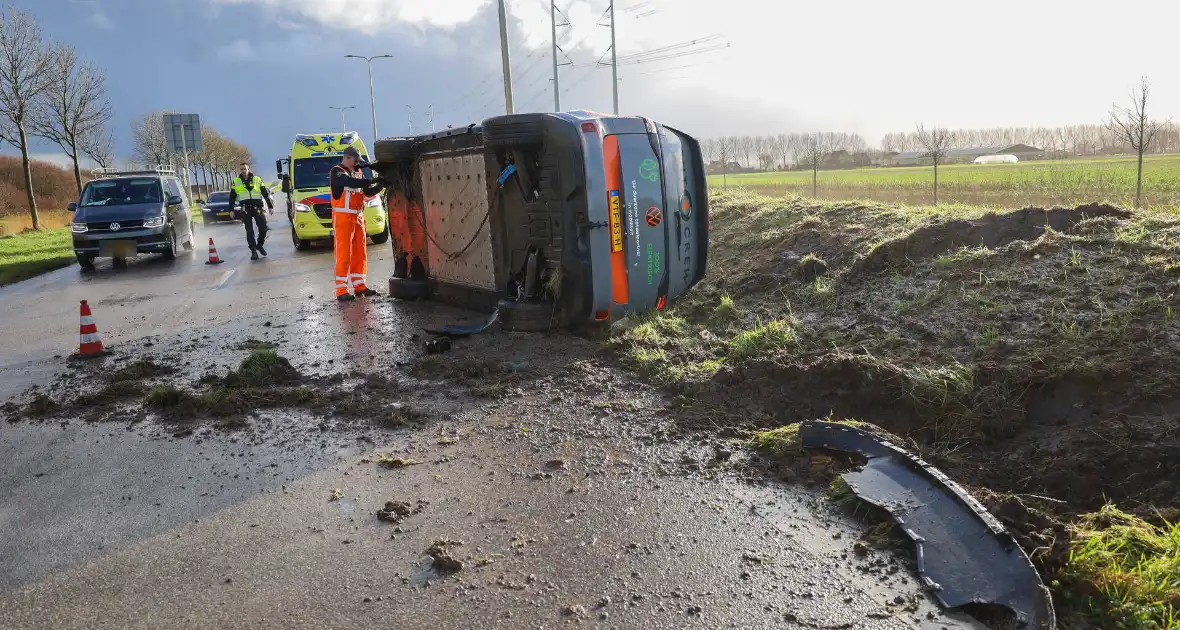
48 92
214 167
1127 130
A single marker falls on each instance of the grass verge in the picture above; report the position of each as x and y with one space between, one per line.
973 334
32 253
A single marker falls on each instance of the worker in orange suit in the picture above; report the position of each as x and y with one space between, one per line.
349 189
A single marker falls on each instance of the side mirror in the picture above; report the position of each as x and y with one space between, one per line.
286 184
279 167
174 200
72 207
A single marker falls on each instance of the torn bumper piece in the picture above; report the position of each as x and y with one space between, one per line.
964 554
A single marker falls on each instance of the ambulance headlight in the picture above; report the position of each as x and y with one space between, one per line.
302 207
375 202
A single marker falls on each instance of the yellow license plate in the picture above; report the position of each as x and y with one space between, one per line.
616 222
223 214
117 249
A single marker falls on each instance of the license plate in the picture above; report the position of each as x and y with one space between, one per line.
223 214
117 249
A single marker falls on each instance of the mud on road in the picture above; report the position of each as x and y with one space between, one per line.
513 481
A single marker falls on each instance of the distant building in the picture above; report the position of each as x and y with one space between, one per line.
964 156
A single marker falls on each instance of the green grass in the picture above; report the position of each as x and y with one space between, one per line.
28 254
1126 570
1040 182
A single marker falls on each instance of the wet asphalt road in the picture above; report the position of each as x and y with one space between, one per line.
568 511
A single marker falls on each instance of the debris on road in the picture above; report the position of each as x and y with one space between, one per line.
337 494
395 462
440 551
438 345
964 554
465 330
398 511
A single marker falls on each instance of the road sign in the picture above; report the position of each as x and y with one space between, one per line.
182 132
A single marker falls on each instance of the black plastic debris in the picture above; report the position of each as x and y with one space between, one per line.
965 556
464 330
438 346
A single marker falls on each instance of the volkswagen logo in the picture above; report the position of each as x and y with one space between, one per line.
115 227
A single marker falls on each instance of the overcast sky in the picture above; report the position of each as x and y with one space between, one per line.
264 70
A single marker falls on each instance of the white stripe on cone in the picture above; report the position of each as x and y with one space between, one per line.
87 320
90 338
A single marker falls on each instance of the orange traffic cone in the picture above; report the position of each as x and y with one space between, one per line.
91 344
213 259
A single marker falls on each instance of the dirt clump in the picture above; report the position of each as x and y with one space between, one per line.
990 231
442 554
398 511
141 370
40 406
263 368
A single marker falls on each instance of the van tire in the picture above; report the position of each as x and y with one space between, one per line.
383 237
525 316
406 289
394 150
514 131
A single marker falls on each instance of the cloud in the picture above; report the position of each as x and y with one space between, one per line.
240 50
102 20
372 16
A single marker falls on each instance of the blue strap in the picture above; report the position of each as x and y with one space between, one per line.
511 168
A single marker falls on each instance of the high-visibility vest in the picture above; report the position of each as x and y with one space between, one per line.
353 199
244 194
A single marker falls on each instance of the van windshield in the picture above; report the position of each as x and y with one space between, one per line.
119 192
313 172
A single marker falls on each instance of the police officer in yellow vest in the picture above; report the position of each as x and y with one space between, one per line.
249 191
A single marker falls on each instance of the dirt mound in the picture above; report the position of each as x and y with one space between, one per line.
990 231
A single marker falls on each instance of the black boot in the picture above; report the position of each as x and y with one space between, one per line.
261 250
346 297
367 292
253 254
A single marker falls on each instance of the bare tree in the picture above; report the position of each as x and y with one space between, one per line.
99 145
1133 127
935 141
73 106
25 73
812 149
147 138
727 149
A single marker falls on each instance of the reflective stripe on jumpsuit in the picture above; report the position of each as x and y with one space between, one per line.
348 225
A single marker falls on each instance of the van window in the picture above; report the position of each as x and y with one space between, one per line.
313 172
114 192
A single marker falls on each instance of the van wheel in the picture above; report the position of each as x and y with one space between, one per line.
299 243
382 238
394 150
514 131
525 316
171 253
86 261
406 289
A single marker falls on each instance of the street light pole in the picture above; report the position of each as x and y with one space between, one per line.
504 56
614 59
343 122
372 99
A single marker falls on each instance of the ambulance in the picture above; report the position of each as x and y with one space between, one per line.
309 197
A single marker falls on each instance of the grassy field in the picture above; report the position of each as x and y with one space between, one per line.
1005 347
1043 183
28 254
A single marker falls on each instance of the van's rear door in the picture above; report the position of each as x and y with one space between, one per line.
637 216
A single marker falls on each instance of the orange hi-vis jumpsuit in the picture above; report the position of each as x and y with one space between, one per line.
349 190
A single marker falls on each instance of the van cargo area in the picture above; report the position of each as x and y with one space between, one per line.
556 219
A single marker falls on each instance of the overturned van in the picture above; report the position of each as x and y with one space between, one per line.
556 219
